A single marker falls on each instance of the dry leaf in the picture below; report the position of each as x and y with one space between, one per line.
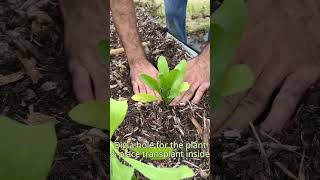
49 85
35 118
30 68
4 80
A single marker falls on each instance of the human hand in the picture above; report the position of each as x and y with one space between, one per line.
198 76
140 67
284 56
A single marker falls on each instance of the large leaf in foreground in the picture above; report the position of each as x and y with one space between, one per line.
120 171
118 111
154 173
104 50
236 79
154 153
26 151
93 113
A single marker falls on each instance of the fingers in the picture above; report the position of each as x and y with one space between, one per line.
287 100
100 83
81 83
256 100
135 87
201 90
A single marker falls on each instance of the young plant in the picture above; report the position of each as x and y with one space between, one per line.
227 27
120 171
169 83
26 151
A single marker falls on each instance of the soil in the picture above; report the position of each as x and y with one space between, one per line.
31 34
146 123
293 154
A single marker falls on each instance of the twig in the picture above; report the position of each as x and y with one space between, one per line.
285 170
239 150
301 170
262 150
97 162
117 51
197 125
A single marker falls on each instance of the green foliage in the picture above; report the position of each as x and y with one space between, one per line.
152 152
104 50
120 171
26 151
169 83
144 98
227 27
91 113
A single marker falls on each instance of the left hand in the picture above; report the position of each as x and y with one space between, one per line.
198 76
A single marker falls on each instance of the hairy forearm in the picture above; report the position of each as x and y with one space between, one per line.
204 58
124 17
295 10
84 9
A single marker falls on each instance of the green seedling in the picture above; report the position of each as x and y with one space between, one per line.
104 50
227 28
26 151
169 84
121 171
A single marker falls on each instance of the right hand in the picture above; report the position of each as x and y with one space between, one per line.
136 70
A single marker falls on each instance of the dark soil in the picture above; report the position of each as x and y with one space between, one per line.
158 122
293 154
32 32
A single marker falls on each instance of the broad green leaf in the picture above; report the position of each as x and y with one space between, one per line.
93 113
104 50
227 27
184 87
236 79
144 98
151 82
118 111
120 171
26 151
182 66
154 153
163 65
171 78
134 178
155 173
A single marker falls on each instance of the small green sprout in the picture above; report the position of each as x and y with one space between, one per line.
169 84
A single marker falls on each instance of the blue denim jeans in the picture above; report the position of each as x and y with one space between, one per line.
175 12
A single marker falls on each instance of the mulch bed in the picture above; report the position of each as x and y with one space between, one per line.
146 123
31 32
293 154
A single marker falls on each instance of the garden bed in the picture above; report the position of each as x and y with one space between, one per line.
294 154
147 123
48 91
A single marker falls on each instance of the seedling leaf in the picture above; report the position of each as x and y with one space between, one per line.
170 83
26 151
120 171
93 113
144 98
104 50
151 82
163 65
118 111
236 79
154 173
154 153
184 87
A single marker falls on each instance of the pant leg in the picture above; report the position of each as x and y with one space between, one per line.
175 12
